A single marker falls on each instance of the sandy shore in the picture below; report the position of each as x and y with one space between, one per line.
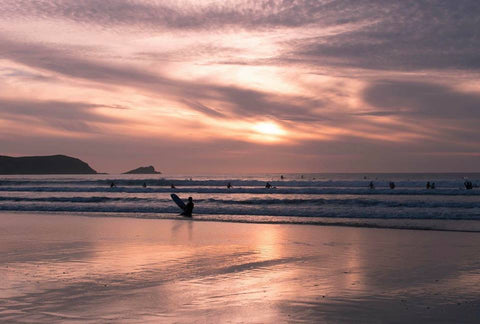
75 269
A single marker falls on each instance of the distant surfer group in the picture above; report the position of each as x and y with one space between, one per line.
187 209
429 185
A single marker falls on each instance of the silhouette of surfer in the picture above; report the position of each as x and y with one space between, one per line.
172 186
428 185
188 208
468 184
112 185
144 185
391 185
229 185
371 185
432 186
268 185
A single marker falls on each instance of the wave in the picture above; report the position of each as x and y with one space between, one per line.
279 190
311 211
357 202
292 201
78 199
119 182
353 202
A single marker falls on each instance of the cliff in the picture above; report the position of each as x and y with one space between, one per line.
143 170
53 164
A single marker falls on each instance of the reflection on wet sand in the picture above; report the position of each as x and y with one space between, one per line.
59 268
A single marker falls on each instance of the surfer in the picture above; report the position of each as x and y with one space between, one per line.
188 208
172 186
144 185
432 186
268 185
371 185
468 184
112 185
392 185
428 185
229 185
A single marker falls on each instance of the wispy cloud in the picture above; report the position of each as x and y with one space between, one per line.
186 15
67 116
405 35
382 82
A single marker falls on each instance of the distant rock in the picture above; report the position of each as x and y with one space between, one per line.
143 170
52 164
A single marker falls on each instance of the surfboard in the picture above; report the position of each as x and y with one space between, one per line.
178 201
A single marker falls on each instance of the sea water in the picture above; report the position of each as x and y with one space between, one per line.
340 199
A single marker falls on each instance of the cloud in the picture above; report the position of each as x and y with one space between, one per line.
252 103
25 75
420 99
155 15
70 64
352 154
402 35
450 116
204 109
343 63
70 116
382 34
234 101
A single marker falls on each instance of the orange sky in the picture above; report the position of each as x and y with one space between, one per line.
243 86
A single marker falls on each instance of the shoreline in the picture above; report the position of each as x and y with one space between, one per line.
450 225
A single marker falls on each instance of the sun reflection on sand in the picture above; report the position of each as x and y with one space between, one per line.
127 269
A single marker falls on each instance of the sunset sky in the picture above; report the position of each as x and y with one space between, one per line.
243 86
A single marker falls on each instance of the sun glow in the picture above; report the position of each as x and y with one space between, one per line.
267 132
268 128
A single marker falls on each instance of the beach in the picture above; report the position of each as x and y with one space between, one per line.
60 268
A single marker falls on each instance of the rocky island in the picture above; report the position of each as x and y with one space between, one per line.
52 164
143 170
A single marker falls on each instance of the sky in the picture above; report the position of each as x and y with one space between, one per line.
212 86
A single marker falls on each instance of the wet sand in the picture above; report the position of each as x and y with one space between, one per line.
57 268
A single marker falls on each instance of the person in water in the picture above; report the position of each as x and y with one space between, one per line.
371 185
229 185
112 185
188 208
268 185
172 186
468 184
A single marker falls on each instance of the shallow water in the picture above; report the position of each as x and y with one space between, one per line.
309 198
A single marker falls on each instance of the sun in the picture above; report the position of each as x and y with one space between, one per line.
268 128
267 131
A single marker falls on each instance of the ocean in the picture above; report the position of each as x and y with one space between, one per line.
318 199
